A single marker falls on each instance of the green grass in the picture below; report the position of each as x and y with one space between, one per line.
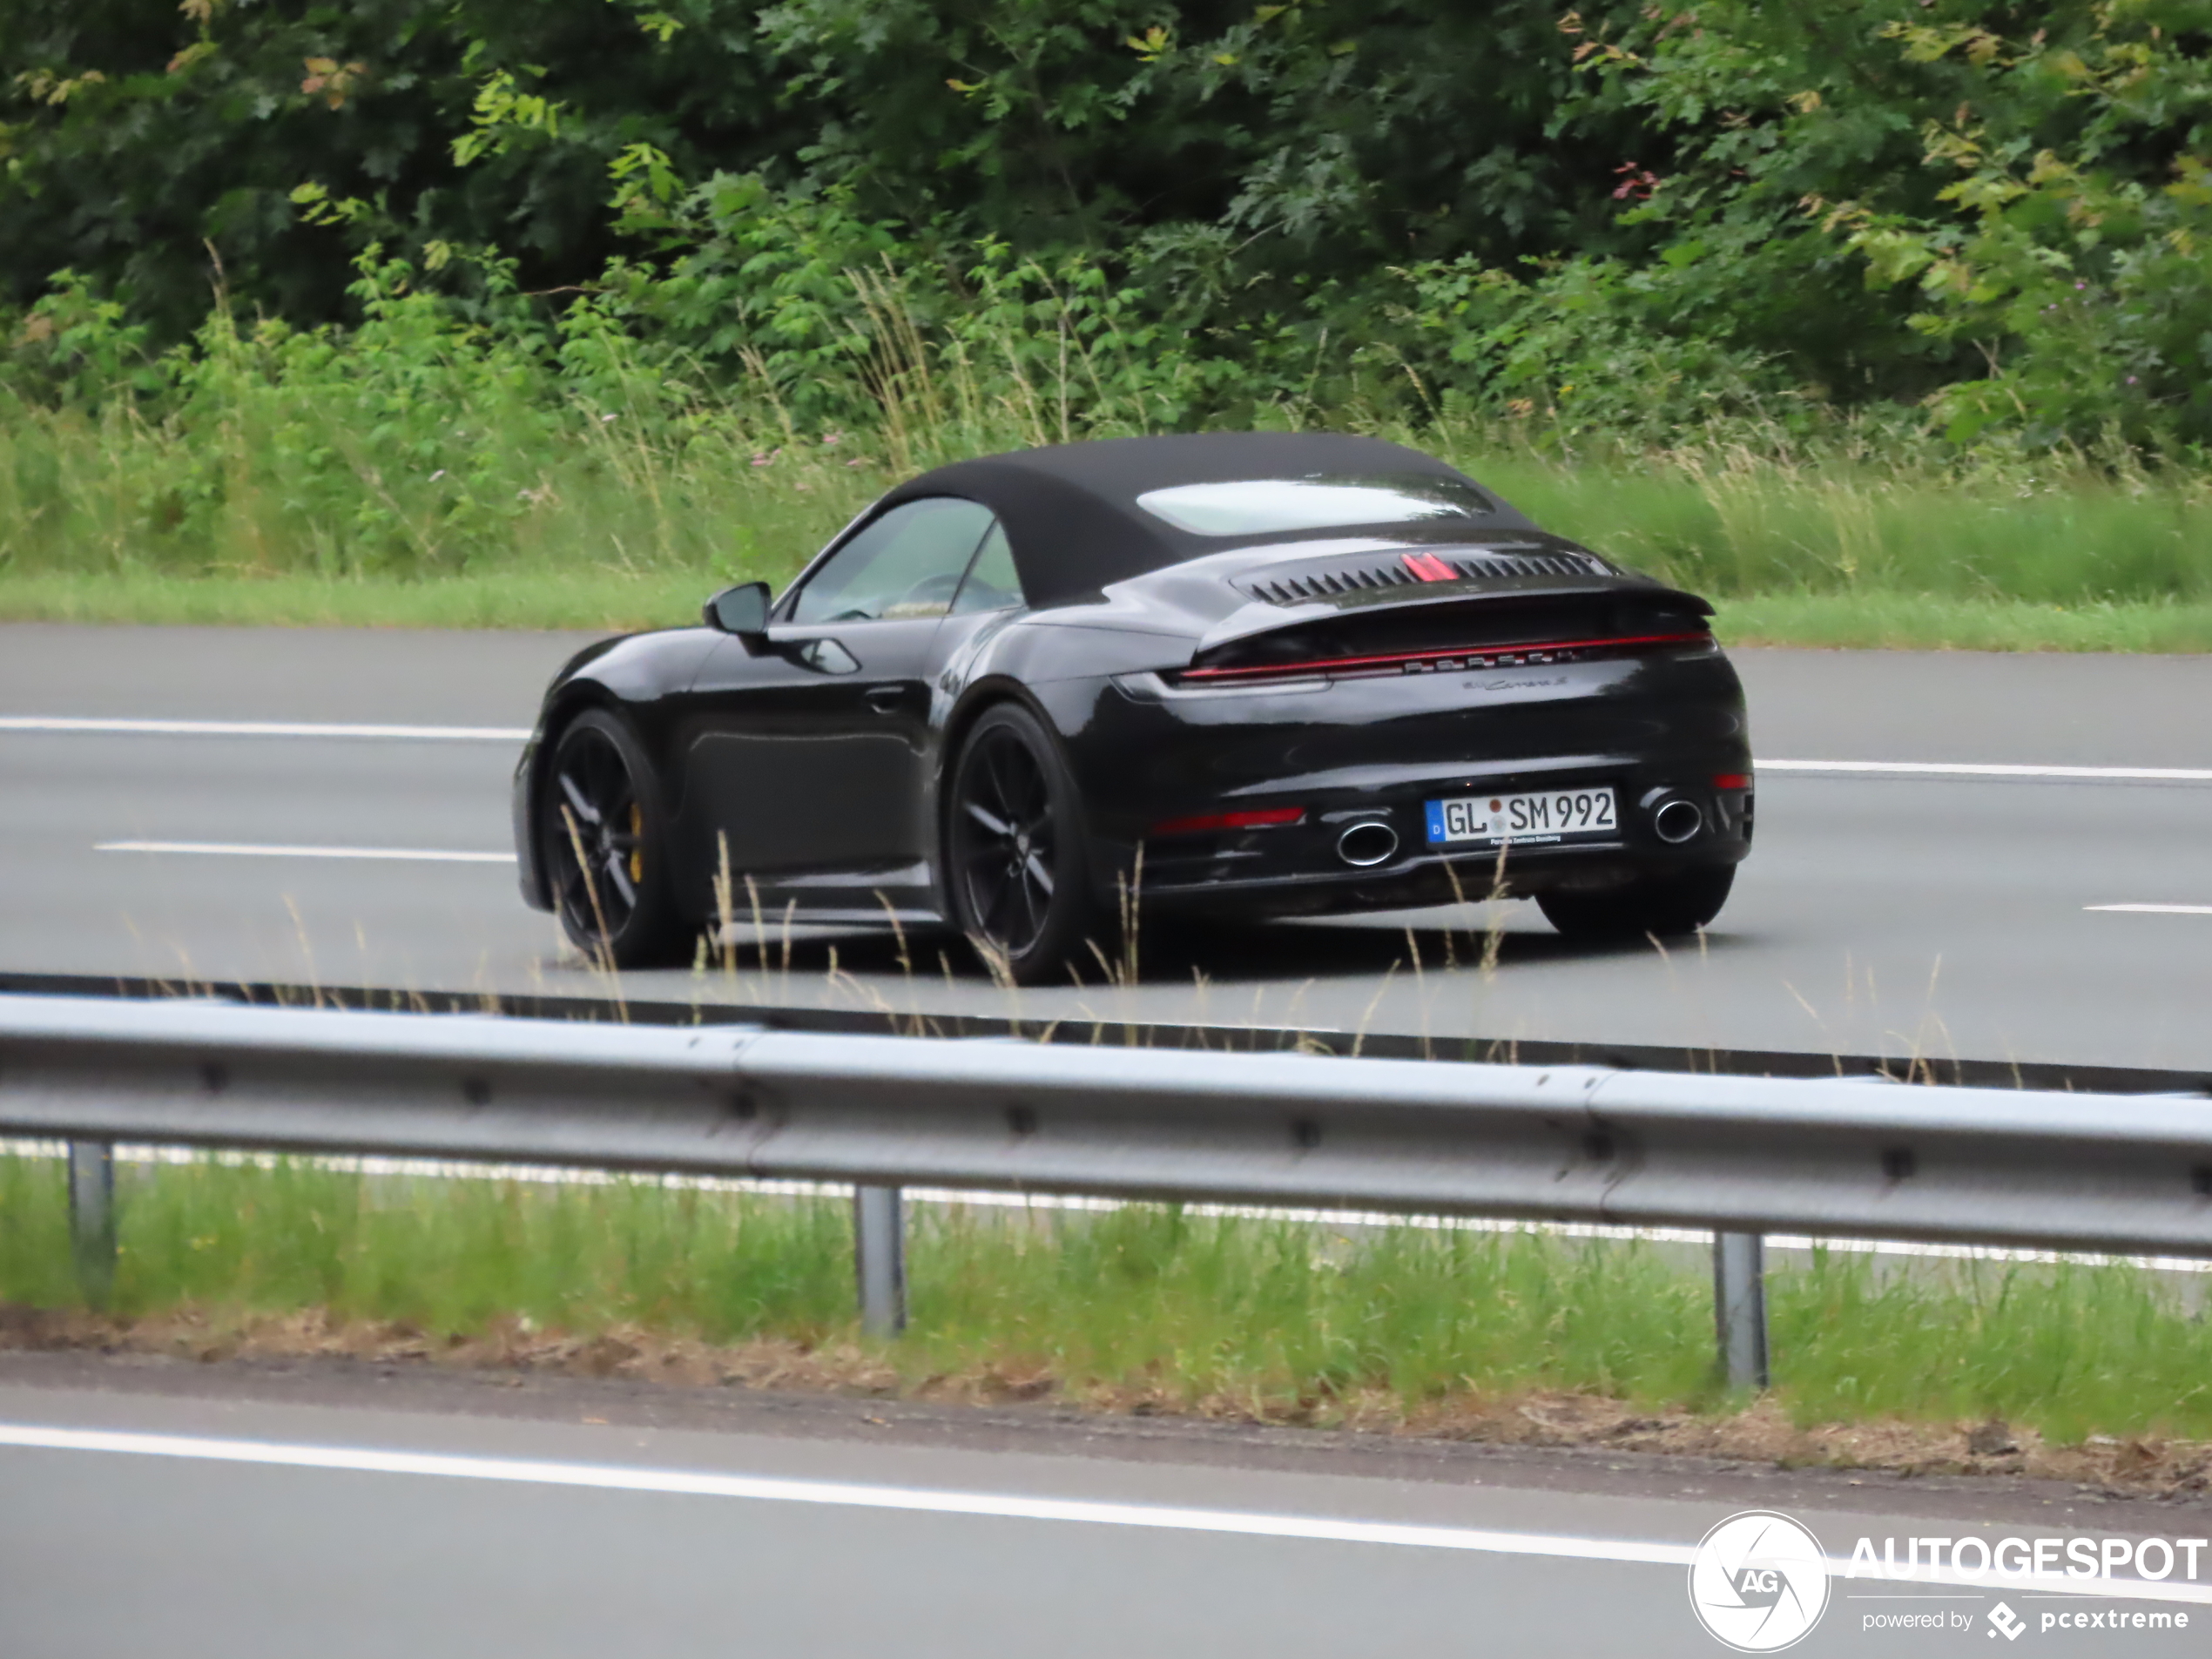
1735 524
1276 1317
419 471
588 598
565 522
1881 621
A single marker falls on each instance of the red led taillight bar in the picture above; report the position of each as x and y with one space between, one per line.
1431 661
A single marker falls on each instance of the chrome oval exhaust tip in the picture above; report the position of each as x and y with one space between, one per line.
1677 820
1363 846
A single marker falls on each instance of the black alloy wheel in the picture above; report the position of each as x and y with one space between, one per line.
1016 867
604 852
1658 907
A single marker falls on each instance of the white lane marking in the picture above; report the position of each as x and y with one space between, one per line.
778 1489
2157 909
606 1477
262 729
1976 769
240 850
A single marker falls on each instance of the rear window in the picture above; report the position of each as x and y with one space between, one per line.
1271 506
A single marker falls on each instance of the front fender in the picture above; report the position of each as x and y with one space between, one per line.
630 673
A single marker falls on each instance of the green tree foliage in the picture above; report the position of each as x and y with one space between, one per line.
154 146
1624 220
2029 183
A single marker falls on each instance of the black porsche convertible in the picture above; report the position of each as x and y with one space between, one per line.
1255 674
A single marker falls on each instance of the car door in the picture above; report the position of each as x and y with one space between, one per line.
805 747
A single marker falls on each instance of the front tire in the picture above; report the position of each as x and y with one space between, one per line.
1017 867
1660 907
605 846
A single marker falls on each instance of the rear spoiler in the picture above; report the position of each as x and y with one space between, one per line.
1251 620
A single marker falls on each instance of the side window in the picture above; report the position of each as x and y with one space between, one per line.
906 564
991 584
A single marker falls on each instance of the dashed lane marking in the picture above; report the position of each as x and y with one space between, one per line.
262 729
243 850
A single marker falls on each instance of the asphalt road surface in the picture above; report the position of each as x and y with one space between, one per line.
233 1513
1950 912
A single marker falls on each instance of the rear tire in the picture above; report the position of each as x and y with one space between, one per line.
1660 907
1017 862
600 800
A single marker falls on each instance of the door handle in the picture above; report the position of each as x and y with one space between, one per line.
885 699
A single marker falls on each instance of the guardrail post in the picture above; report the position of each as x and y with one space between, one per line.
92 1217
879 1259
1739 1308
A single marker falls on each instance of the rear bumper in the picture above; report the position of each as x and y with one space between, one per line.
1298 869
1657 729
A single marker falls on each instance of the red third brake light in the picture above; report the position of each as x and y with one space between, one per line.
1429 568
1206 823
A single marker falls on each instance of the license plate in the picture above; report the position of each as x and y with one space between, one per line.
1552 815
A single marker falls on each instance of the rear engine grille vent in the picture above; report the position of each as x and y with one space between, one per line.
1295 585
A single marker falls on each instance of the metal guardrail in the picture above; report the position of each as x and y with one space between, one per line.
1740 1156
1102 1025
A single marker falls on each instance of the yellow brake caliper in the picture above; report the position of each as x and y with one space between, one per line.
637 843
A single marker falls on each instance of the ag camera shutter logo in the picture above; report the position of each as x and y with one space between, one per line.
1758 1581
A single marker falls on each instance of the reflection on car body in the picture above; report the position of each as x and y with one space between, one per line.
1239 669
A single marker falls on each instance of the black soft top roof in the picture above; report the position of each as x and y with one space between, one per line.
1070 510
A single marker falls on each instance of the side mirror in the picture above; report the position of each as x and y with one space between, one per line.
741 609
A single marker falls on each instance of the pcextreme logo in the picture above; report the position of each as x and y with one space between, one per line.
1758 1581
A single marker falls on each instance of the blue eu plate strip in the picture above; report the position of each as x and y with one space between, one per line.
1435 822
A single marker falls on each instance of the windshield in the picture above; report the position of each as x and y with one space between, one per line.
1269 506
